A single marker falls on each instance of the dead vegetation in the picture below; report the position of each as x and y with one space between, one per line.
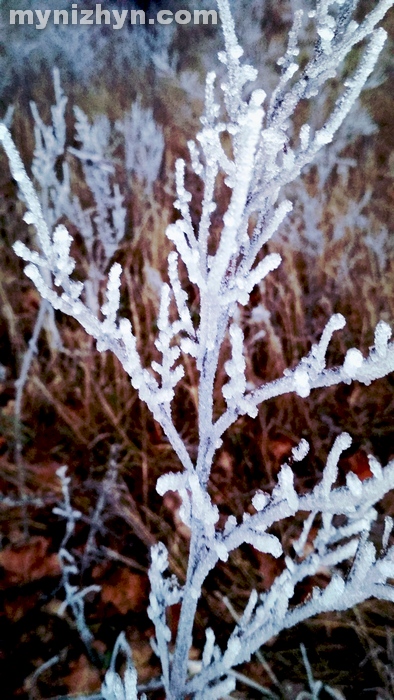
79 410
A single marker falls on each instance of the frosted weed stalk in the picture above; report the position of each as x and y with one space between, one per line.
264 157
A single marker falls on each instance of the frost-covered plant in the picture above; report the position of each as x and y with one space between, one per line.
260 161
75 597
144 143
114 688
102 226
305 227
83 51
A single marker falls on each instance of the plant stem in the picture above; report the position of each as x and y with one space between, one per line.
188 611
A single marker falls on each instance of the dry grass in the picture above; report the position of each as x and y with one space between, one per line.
79 404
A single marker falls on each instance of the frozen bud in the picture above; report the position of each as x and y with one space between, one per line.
189 347
354 484
285 488
236 51
221 551
257 98
322 137
388 527
382 337
375 467
300 451
301 382
28 218
290 564
305 136
353 362
231 653
260 500
325 33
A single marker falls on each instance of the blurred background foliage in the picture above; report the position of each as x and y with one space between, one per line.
79 409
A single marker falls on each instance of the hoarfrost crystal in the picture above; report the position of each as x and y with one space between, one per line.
263 158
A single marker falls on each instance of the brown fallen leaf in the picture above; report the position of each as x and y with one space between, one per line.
126 590
83 678
29 562
16 609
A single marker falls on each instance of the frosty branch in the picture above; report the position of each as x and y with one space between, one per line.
265 155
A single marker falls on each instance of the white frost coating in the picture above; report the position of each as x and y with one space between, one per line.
330 473
353 361
171 481
115 687
388 527
382 336
231 653
375 466
305 136
260 500
209 646
221 551
302 385
325 33
111 306
285 488
222 265
144 143
336 323
300 451
354 484
299 544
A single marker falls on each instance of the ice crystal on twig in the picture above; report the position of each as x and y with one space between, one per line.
249 143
